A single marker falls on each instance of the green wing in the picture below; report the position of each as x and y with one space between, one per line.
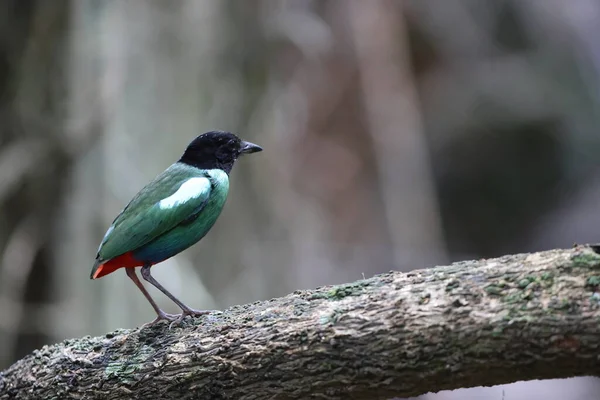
172 198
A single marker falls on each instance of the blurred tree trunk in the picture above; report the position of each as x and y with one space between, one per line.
393 110
33 168
34 162
39 145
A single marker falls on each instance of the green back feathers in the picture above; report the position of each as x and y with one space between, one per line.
173 197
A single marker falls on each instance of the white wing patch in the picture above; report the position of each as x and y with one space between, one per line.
190 189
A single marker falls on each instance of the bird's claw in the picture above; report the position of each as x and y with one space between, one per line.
191 312
197 313
162 316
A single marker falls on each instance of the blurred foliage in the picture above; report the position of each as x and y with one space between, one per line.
397 135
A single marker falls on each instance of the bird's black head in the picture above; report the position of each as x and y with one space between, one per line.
216 149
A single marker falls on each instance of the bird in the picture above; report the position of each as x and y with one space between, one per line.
171 213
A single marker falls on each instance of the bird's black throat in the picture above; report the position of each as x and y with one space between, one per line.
204 161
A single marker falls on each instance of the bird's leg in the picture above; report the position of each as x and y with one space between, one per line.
161 315
185 309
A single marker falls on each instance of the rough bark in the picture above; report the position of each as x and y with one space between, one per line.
473 323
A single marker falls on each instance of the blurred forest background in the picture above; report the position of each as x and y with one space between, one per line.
397 135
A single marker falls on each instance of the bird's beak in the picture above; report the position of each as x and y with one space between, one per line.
248 148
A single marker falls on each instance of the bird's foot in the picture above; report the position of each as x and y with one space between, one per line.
162 316
196 313
189 311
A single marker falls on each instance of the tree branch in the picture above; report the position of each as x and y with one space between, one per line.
473 323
